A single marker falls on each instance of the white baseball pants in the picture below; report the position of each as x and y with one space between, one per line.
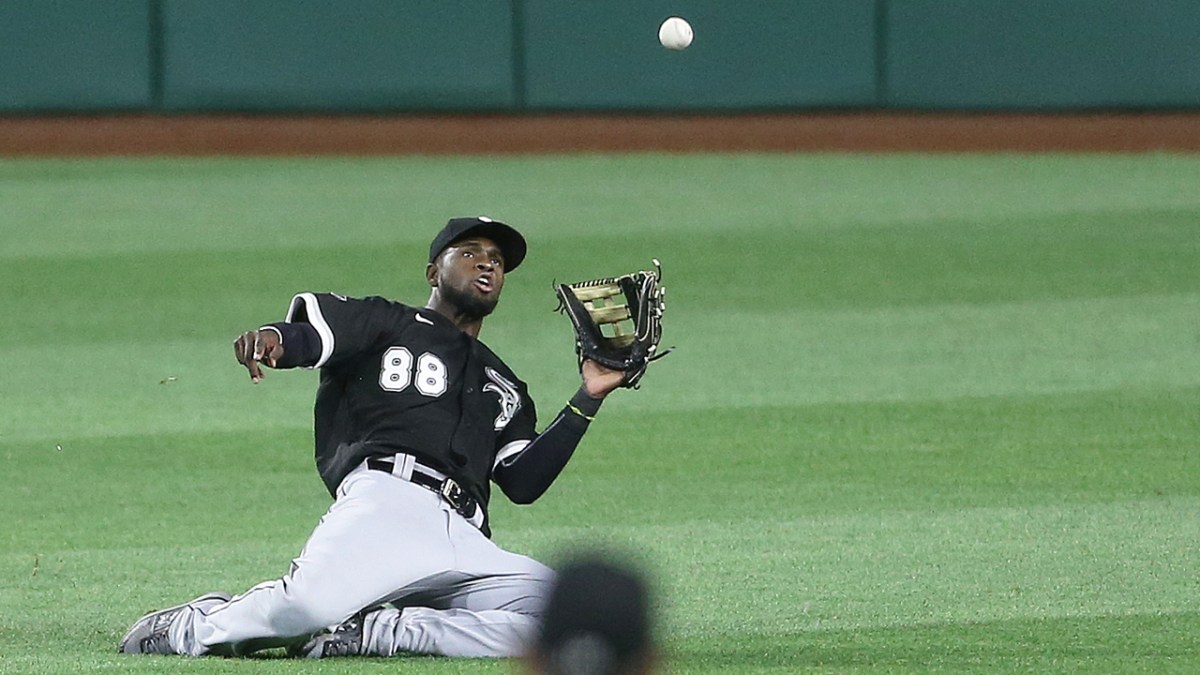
385 540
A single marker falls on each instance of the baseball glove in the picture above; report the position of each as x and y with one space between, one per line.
617 321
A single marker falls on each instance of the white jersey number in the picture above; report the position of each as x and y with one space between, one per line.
431 375
396 372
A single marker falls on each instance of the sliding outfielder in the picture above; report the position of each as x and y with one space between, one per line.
414 418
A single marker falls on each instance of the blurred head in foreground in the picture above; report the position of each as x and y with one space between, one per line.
597 621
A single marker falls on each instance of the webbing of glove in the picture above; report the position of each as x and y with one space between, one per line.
617 320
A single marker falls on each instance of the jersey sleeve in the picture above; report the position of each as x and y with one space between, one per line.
345 326
519 432
527 472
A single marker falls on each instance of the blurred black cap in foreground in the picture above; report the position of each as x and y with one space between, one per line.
597 620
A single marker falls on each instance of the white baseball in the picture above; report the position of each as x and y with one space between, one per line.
675 33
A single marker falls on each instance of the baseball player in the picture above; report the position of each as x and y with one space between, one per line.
414 417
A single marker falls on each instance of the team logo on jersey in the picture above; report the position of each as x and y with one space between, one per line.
510 399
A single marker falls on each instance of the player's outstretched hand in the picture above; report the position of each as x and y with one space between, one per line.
600 380
255 347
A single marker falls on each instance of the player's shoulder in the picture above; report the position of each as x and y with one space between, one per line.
368 302
341 307
380 302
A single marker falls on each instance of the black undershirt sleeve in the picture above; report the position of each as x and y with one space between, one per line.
527 475
301 344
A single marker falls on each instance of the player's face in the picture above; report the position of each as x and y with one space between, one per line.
471 274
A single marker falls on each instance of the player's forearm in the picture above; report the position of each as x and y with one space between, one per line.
529 474
301 344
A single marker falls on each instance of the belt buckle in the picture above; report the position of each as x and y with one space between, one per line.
452 493
457 498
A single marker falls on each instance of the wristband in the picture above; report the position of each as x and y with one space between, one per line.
579 412
583 405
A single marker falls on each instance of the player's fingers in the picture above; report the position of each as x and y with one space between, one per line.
256 373
244 350
242 347
258 346
273 355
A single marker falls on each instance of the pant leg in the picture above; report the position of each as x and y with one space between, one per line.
448 632
381 534
490 606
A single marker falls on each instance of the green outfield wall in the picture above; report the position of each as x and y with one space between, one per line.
782 54
76 55
323 55
1033 54
595 55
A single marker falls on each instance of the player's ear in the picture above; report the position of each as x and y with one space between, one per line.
431 271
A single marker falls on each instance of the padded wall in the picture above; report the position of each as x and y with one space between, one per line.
337 56
75 55
1042 54
515 56
595 54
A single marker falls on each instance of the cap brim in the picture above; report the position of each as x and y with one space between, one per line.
511 243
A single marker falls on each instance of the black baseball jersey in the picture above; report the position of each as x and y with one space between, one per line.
396 378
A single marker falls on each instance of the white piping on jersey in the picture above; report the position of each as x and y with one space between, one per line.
312 310
273 329
510 450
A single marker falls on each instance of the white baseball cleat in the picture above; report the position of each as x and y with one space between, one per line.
151 633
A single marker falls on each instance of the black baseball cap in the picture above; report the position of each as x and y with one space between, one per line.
597 618
511 243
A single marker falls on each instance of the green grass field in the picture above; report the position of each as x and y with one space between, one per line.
927 413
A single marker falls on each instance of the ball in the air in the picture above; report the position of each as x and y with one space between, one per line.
675 33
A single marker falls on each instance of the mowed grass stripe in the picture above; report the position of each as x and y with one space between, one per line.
1125 643
741 358
649 468
778 266
89 206
751 358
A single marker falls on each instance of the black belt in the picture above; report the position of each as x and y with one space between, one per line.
447 487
